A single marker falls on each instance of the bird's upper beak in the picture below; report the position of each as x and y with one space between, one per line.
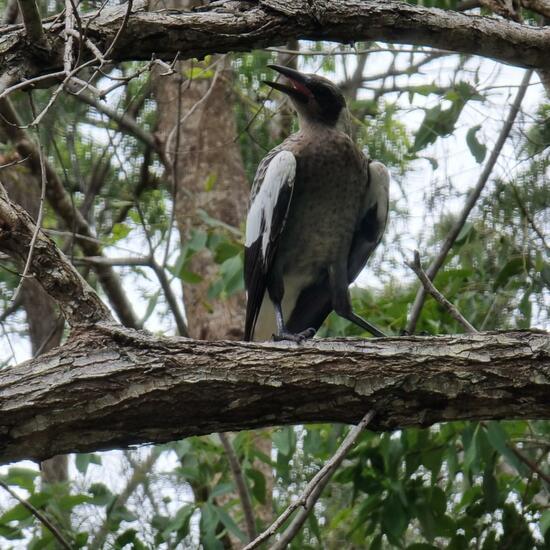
299 83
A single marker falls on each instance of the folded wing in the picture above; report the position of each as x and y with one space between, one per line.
270 200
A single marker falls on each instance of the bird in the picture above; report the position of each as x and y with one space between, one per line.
318 208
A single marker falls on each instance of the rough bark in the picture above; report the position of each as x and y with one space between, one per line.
60 200
77 300
243 26
112 387
208 149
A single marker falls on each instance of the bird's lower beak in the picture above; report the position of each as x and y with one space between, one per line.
298 88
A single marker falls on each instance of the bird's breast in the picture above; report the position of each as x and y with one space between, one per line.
328 193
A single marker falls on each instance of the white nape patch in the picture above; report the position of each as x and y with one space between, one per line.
280 172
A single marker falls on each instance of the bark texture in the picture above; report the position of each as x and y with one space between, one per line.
243 26
111 387
77 300
208 151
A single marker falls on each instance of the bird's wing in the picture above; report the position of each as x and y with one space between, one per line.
372 220
314 302
267 213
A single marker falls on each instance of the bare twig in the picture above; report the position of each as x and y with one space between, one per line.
61 203
68 54
435 266
38 515
240 483
312 491
30 83
43 182
530 464
416 266
141 469
120 30
125 122
170 297
528 216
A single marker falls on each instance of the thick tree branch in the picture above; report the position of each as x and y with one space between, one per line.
31 20
77 300
243 26
61 202
112 387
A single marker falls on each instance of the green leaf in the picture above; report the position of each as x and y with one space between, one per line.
232 274
394 517
22 477
101 495
512 268
83 460
544 522
208 524
498 439
230 525
119 232
179 523
210 181
490 490
258 484
189 277
478 150
284 440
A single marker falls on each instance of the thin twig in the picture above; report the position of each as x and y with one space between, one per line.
68 54
435 266
322 477
416 266
532 465
38 515
120 30
30 83
528 216
240 483
141 469
43 182
170 297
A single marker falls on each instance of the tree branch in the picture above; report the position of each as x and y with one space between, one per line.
77 300
38 515
243 26
311 493
450 239
60 201
240 485
31 20
429 287
111 387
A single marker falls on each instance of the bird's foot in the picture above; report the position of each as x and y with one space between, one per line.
299 337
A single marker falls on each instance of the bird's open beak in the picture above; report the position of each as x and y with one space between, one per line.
299 83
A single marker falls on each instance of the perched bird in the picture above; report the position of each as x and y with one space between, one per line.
318 209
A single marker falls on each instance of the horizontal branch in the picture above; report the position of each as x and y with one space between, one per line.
244 26
111 387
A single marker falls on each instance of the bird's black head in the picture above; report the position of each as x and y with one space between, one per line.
315 98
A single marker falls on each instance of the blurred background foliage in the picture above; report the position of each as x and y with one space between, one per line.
432 117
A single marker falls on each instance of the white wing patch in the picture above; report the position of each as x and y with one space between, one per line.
280 172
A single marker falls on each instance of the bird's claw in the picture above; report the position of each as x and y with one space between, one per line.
298 337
